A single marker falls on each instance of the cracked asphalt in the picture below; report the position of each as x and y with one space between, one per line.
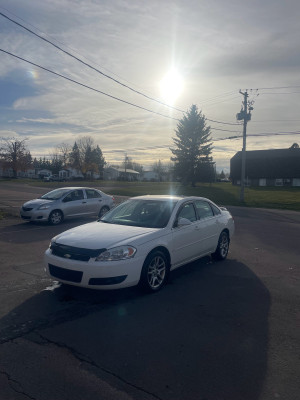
218 331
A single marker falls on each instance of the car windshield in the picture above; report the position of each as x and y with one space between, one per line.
143 213
54 194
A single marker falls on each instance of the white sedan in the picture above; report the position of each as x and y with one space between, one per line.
139 242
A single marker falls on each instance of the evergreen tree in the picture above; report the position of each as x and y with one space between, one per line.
193 146
75 157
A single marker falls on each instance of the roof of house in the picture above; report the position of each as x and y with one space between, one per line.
277 163
127 170
272 153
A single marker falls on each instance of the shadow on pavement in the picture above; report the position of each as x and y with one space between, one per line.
204 336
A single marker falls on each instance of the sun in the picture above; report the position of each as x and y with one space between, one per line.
171 86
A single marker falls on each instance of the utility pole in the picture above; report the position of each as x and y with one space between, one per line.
245 116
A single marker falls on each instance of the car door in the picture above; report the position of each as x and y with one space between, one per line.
74 204
93 201
185 239
209 226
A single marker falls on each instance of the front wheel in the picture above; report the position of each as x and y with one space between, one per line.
222 248
55 217
155 272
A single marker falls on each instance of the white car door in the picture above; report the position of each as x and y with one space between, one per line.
185 239
208 225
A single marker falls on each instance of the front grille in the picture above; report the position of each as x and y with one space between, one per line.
74 253
27 208
65 274
26 216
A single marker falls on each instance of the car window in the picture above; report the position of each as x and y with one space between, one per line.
188 212
204 209
54 194
92 194
216 210
143 213
73 196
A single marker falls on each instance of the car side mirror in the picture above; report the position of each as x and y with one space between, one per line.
183 222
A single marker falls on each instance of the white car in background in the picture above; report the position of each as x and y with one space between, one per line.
67 202
139 242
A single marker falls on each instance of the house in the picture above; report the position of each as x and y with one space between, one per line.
151 176
277 167
116 173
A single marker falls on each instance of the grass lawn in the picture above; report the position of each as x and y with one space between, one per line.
221 193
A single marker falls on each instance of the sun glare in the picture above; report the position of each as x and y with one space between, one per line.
171 86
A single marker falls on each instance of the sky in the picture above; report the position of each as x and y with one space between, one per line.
216 48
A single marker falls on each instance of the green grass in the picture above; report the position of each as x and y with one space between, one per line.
287 198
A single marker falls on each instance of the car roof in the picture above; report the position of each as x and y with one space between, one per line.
169 197
76 188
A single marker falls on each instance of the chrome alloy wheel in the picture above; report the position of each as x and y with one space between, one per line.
224 245
156 273
56 217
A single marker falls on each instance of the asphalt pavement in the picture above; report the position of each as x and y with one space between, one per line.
218 331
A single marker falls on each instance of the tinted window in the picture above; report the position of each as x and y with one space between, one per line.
92 194
188 212
204 210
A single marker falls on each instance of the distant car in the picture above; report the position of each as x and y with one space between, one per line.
54 178
139 242
67 202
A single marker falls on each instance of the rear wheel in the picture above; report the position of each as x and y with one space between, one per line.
56 217
223 247
155 272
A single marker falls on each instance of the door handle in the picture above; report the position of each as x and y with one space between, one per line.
197 228
83 202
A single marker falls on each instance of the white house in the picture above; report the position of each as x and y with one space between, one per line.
115 173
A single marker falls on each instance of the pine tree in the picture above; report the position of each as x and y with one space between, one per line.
193 146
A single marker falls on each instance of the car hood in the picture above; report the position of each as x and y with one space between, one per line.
37 202
96 235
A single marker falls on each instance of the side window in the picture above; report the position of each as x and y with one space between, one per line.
188 212
92 194
215 209
204 210
73 196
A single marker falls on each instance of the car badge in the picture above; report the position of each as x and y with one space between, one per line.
67 255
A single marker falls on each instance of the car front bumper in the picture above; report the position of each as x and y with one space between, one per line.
35 215
94 274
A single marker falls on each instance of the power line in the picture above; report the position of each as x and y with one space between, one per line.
99 91
276 87
86 64
106 75
86 86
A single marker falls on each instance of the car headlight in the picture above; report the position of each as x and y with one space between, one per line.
117 253
44 207
52 242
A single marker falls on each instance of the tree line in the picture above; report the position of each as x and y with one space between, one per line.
192 148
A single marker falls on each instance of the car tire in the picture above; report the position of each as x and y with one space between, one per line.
103 211
222 248
55 217
155 272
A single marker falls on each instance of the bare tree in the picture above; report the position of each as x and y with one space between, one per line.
15 153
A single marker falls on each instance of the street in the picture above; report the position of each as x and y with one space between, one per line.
218 330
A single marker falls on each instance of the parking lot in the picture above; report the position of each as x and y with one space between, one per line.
218 331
